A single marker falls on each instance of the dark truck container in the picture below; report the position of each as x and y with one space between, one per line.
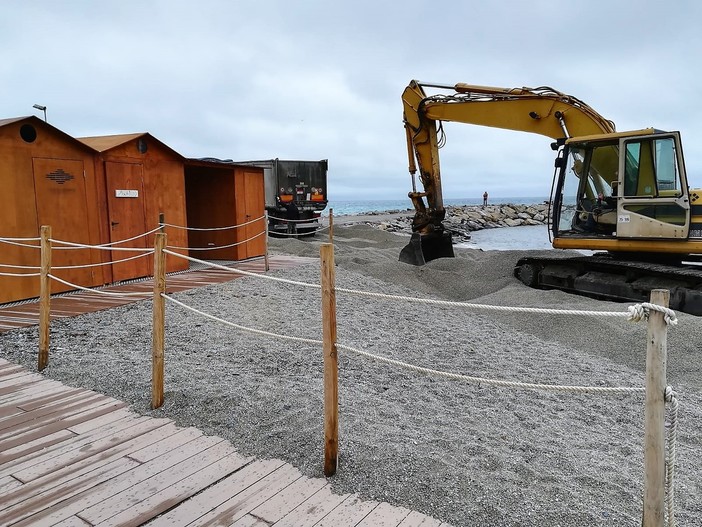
302 183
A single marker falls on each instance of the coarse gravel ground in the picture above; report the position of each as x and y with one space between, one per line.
463 453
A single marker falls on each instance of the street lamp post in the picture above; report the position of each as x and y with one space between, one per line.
41 108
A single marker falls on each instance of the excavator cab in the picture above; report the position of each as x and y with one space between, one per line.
628 185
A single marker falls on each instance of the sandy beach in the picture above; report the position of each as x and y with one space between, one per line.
467 454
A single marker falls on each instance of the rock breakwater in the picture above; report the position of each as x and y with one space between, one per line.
462 220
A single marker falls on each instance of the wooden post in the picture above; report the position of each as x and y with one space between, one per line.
159 321
265 254
654 429
44 297
331 225
331 381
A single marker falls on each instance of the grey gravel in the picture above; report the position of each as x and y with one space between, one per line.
465 454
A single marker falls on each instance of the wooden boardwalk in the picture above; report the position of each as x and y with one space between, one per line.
69 305
73 457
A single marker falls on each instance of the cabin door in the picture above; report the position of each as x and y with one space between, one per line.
125 203
61 203
250 206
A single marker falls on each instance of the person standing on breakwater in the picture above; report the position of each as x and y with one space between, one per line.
485 197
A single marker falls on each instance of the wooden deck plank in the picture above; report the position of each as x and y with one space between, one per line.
44 416
86 415
385 515
417 519
349 513
313 509
102 421
36 389
107 449
248 499
173 493
32 409
77 444
275 508
197 506
7 483
28 500
123 482
40 444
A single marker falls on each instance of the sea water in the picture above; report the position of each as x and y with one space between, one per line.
526 237
346 208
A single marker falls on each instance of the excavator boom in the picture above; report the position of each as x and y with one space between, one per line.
543 111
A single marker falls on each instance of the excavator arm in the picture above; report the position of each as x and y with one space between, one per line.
543 111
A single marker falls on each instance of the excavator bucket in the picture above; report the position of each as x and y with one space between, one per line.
424 248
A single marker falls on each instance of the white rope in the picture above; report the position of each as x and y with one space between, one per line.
215 247
9 241
20 239
20 266
20 274
110 245
634 313
306 220
106 293
306 233
72 245
641 311
212 228
243 328
142 255
671 398
494 382
239 271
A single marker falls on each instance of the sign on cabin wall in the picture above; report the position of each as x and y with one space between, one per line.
126 193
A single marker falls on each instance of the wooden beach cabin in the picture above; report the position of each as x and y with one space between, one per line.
48 178
223 194
139 178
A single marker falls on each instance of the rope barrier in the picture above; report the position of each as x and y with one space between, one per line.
20 274
634 313
243 328
19 239
239 271
307 220
20 266
85 266
73 245
671 398
212 228
106 293
494 382
641 311
9 241
110 245
215 247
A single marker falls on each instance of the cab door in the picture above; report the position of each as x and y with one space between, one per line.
653 199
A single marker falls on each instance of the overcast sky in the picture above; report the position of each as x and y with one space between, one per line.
322 79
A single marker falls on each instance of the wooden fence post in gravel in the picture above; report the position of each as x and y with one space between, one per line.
331 225
331 370
159 321
44 297
654 429
265 254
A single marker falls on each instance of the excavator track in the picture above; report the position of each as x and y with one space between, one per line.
610 278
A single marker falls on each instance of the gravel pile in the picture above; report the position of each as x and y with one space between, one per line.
462 453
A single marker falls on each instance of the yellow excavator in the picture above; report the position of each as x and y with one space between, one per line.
623 194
